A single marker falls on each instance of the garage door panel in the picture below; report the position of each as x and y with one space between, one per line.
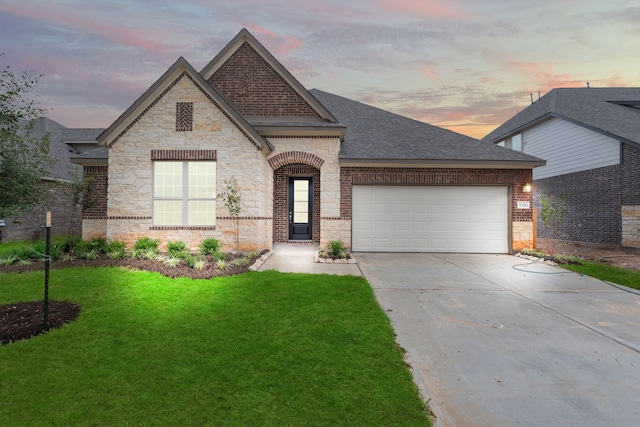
430 219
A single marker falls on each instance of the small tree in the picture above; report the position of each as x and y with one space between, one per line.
231 198
24 157
552 214
80 190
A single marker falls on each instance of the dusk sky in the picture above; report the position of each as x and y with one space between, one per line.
465 65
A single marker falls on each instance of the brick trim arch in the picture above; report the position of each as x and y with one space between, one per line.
295 157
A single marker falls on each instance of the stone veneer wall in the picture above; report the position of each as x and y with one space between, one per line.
631 226
522 219
130 173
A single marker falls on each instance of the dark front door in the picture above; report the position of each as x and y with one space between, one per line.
300 215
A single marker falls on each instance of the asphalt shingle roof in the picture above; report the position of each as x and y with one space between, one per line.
377 134
612 111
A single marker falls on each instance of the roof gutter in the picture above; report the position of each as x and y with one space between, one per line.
467 164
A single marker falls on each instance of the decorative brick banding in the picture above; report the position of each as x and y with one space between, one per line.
293 157
182 227
184 155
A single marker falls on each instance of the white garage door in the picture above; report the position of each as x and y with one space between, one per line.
430 219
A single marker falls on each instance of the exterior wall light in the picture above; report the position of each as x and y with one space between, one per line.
527 187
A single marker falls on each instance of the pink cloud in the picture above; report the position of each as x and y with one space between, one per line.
281 45
544 77
430 71
117 33
426 8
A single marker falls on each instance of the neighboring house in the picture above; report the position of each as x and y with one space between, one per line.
64 143
310 166
590 138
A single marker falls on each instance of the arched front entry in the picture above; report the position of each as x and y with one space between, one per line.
296 197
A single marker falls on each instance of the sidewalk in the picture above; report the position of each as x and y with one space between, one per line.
298 258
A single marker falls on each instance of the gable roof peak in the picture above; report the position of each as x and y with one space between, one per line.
181 67
244 36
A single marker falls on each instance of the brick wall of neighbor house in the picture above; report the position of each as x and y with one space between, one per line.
630 196
522 219
129 208
281 200
31 225
593 207
319 152
254 88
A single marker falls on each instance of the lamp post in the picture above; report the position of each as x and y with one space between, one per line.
45 320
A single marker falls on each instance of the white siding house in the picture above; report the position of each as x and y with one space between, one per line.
569 148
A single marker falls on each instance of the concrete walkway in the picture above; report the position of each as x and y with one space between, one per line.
496 346
298 258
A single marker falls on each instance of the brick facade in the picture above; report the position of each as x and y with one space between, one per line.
254 88
630 176
593 207
281 200
99 192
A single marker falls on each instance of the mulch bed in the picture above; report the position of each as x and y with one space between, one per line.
23 320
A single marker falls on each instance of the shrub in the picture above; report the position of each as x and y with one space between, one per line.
98 244
335 247
195 261
221 264
146 243
199 264
177 249
68 257
220 256
145 247
239 262
116 254
91 254
55 250
172 262
209 246
81 249
8 260
114 246
115 249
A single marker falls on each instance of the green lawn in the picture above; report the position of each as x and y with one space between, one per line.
620 276
254 349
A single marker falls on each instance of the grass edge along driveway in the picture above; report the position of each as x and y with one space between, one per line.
255 349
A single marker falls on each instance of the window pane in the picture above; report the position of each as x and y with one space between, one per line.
202 180
167 212
201 212
167 179
301 190
516 142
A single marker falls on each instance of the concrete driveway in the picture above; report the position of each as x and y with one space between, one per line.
494 346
